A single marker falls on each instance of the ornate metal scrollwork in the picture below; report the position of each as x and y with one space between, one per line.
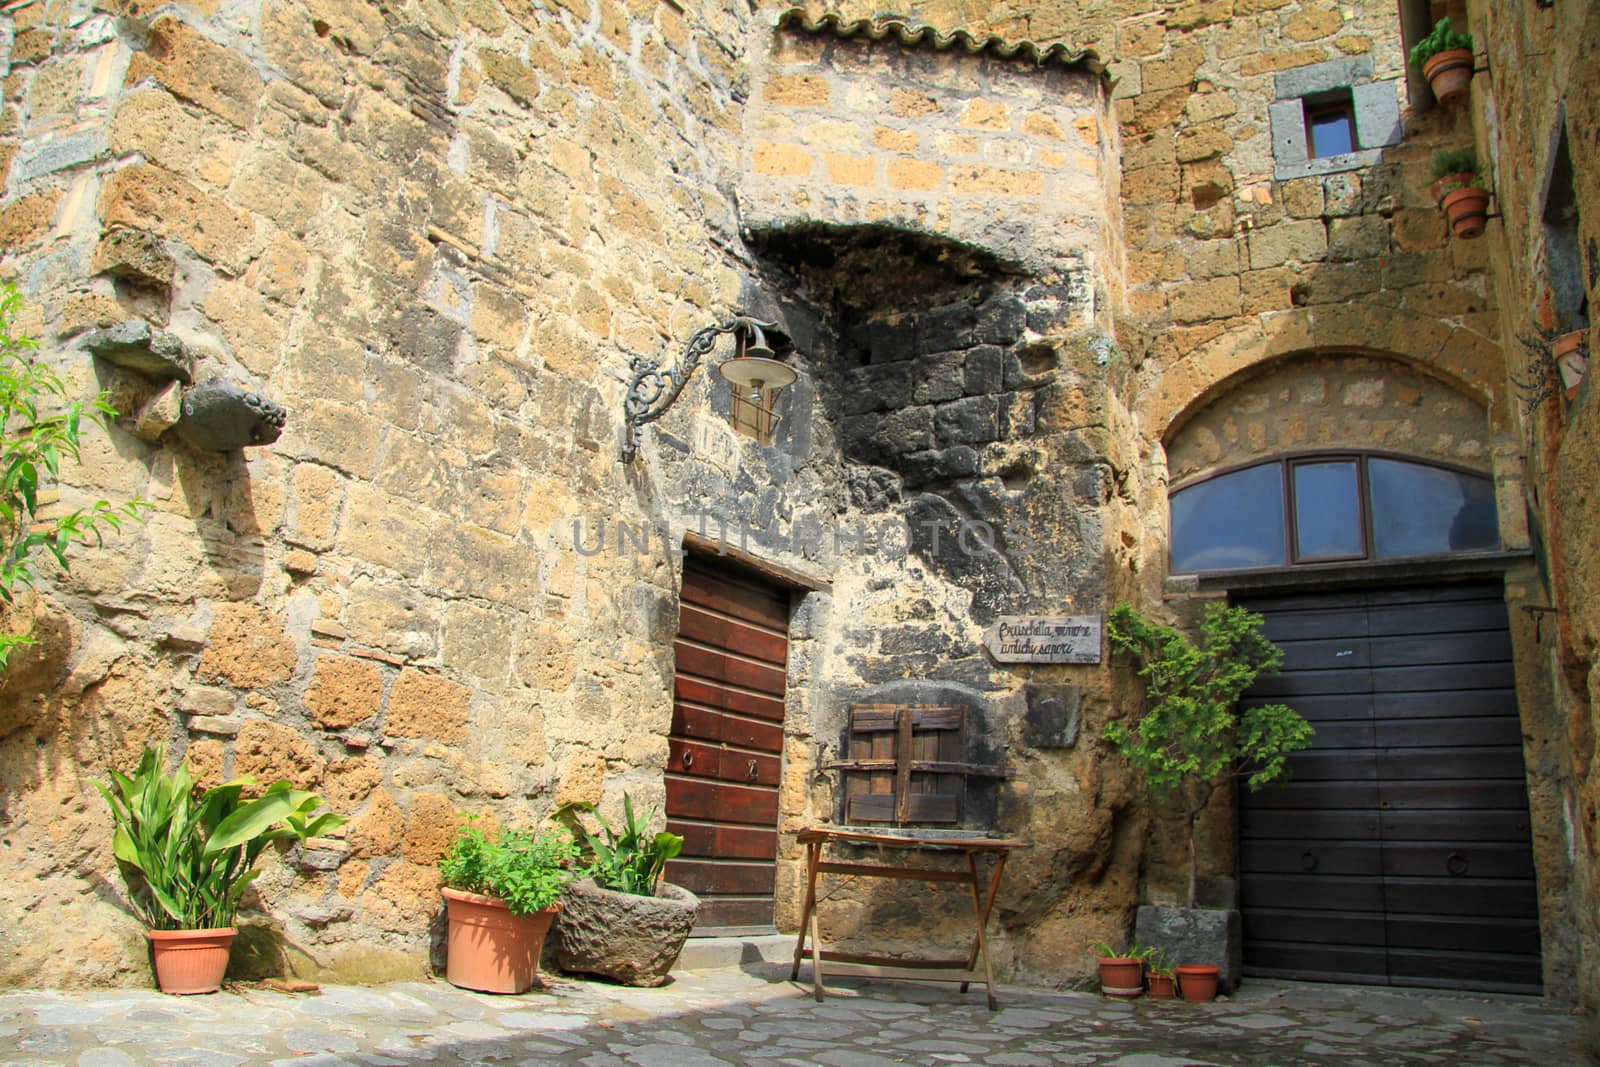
653 388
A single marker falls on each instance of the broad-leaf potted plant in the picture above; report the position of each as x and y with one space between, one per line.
1189 738
1460 191
1121 972
502 893
186 856
624 921
1445 59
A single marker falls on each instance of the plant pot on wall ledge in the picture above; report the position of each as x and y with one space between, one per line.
1467 208
1571 353
1449 75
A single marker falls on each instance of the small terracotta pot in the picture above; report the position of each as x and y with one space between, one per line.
1571 360
1468 211
190 961
1162 986
490 949
1198 981
1449 184
1449 75
1121 976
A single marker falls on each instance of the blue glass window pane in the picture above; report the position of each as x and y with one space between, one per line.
1327 510
1419 510
1331 133
1232 521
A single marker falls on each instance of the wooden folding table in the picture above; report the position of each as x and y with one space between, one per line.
918 850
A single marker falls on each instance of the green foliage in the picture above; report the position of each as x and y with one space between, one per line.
186 855
527 869
1157 962
1449 161
629 860
1444 38
38 428
1190 735
1135 951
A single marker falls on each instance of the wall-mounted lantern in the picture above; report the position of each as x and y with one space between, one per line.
756 377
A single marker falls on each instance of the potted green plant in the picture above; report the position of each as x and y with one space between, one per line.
1159 977
186 856
624 921
1121 972
501 895
1571 354
1189 737
1445 59
1460 191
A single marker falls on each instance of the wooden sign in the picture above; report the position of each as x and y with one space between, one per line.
1045 639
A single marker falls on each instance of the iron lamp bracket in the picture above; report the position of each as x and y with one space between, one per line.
654 388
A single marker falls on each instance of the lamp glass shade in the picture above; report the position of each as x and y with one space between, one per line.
757 372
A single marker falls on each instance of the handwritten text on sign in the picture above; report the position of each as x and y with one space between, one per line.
1045 639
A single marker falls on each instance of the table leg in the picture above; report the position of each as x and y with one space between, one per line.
980 912
812 856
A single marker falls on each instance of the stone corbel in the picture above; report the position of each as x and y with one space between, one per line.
219 416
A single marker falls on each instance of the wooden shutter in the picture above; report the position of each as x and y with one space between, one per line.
905 764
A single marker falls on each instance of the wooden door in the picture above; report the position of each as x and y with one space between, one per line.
726 743
1400 850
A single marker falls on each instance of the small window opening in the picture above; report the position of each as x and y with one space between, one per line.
1562 227
1330 124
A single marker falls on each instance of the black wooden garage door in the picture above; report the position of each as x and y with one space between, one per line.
1399 852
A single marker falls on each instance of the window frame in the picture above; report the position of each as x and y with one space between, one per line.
1287 461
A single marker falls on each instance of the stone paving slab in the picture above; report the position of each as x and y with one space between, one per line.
754 1017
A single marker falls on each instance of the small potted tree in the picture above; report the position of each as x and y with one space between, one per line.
1445 59
1460 191
501 895
1189 738
186 856
624 921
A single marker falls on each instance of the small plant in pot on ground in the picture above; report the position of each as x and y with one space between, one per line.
1121 972
502 893
1445 59
1160 976
624 921
187 856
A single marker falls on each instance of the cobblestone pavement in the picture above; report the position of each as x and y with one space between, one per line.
751 1016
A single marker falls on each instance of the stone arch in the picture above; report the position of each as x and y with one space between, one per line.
1316 401
1462 358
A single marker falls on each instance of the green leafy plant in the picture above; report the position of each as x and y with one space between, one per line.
1451 161
1444 38
527 869
186 854
1190 736
39 427
1157 962
1135 951
630 859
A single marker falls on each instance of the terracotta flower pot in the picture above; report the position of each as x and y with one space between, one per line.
1449 75
1449 184
1162 986
1468 211
1571 360
1198 981
1121 976
490 949
190 961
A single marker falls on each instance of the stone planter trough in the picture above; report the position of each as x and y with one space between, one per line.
632 939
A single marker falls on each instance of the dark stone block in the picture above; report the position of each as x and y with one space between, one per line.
891 342
962 551
1195 935
984 370
947 328
219 416
137 345
908 430
1012 376
944 465
1000 320
924 639
1052 717
859 433
975 420
881 387
939 377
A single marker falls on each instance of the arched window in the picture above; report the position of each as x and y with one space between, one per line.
1329 508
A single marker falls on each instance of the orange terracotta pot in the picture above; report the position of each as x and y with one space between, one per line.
1198 981
490 949
1571 360
1121 976
1449 75
1468 211
1162 986
190 961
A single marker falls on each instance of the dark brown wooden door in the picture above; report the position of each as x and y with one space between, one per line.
727 742
1399 852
